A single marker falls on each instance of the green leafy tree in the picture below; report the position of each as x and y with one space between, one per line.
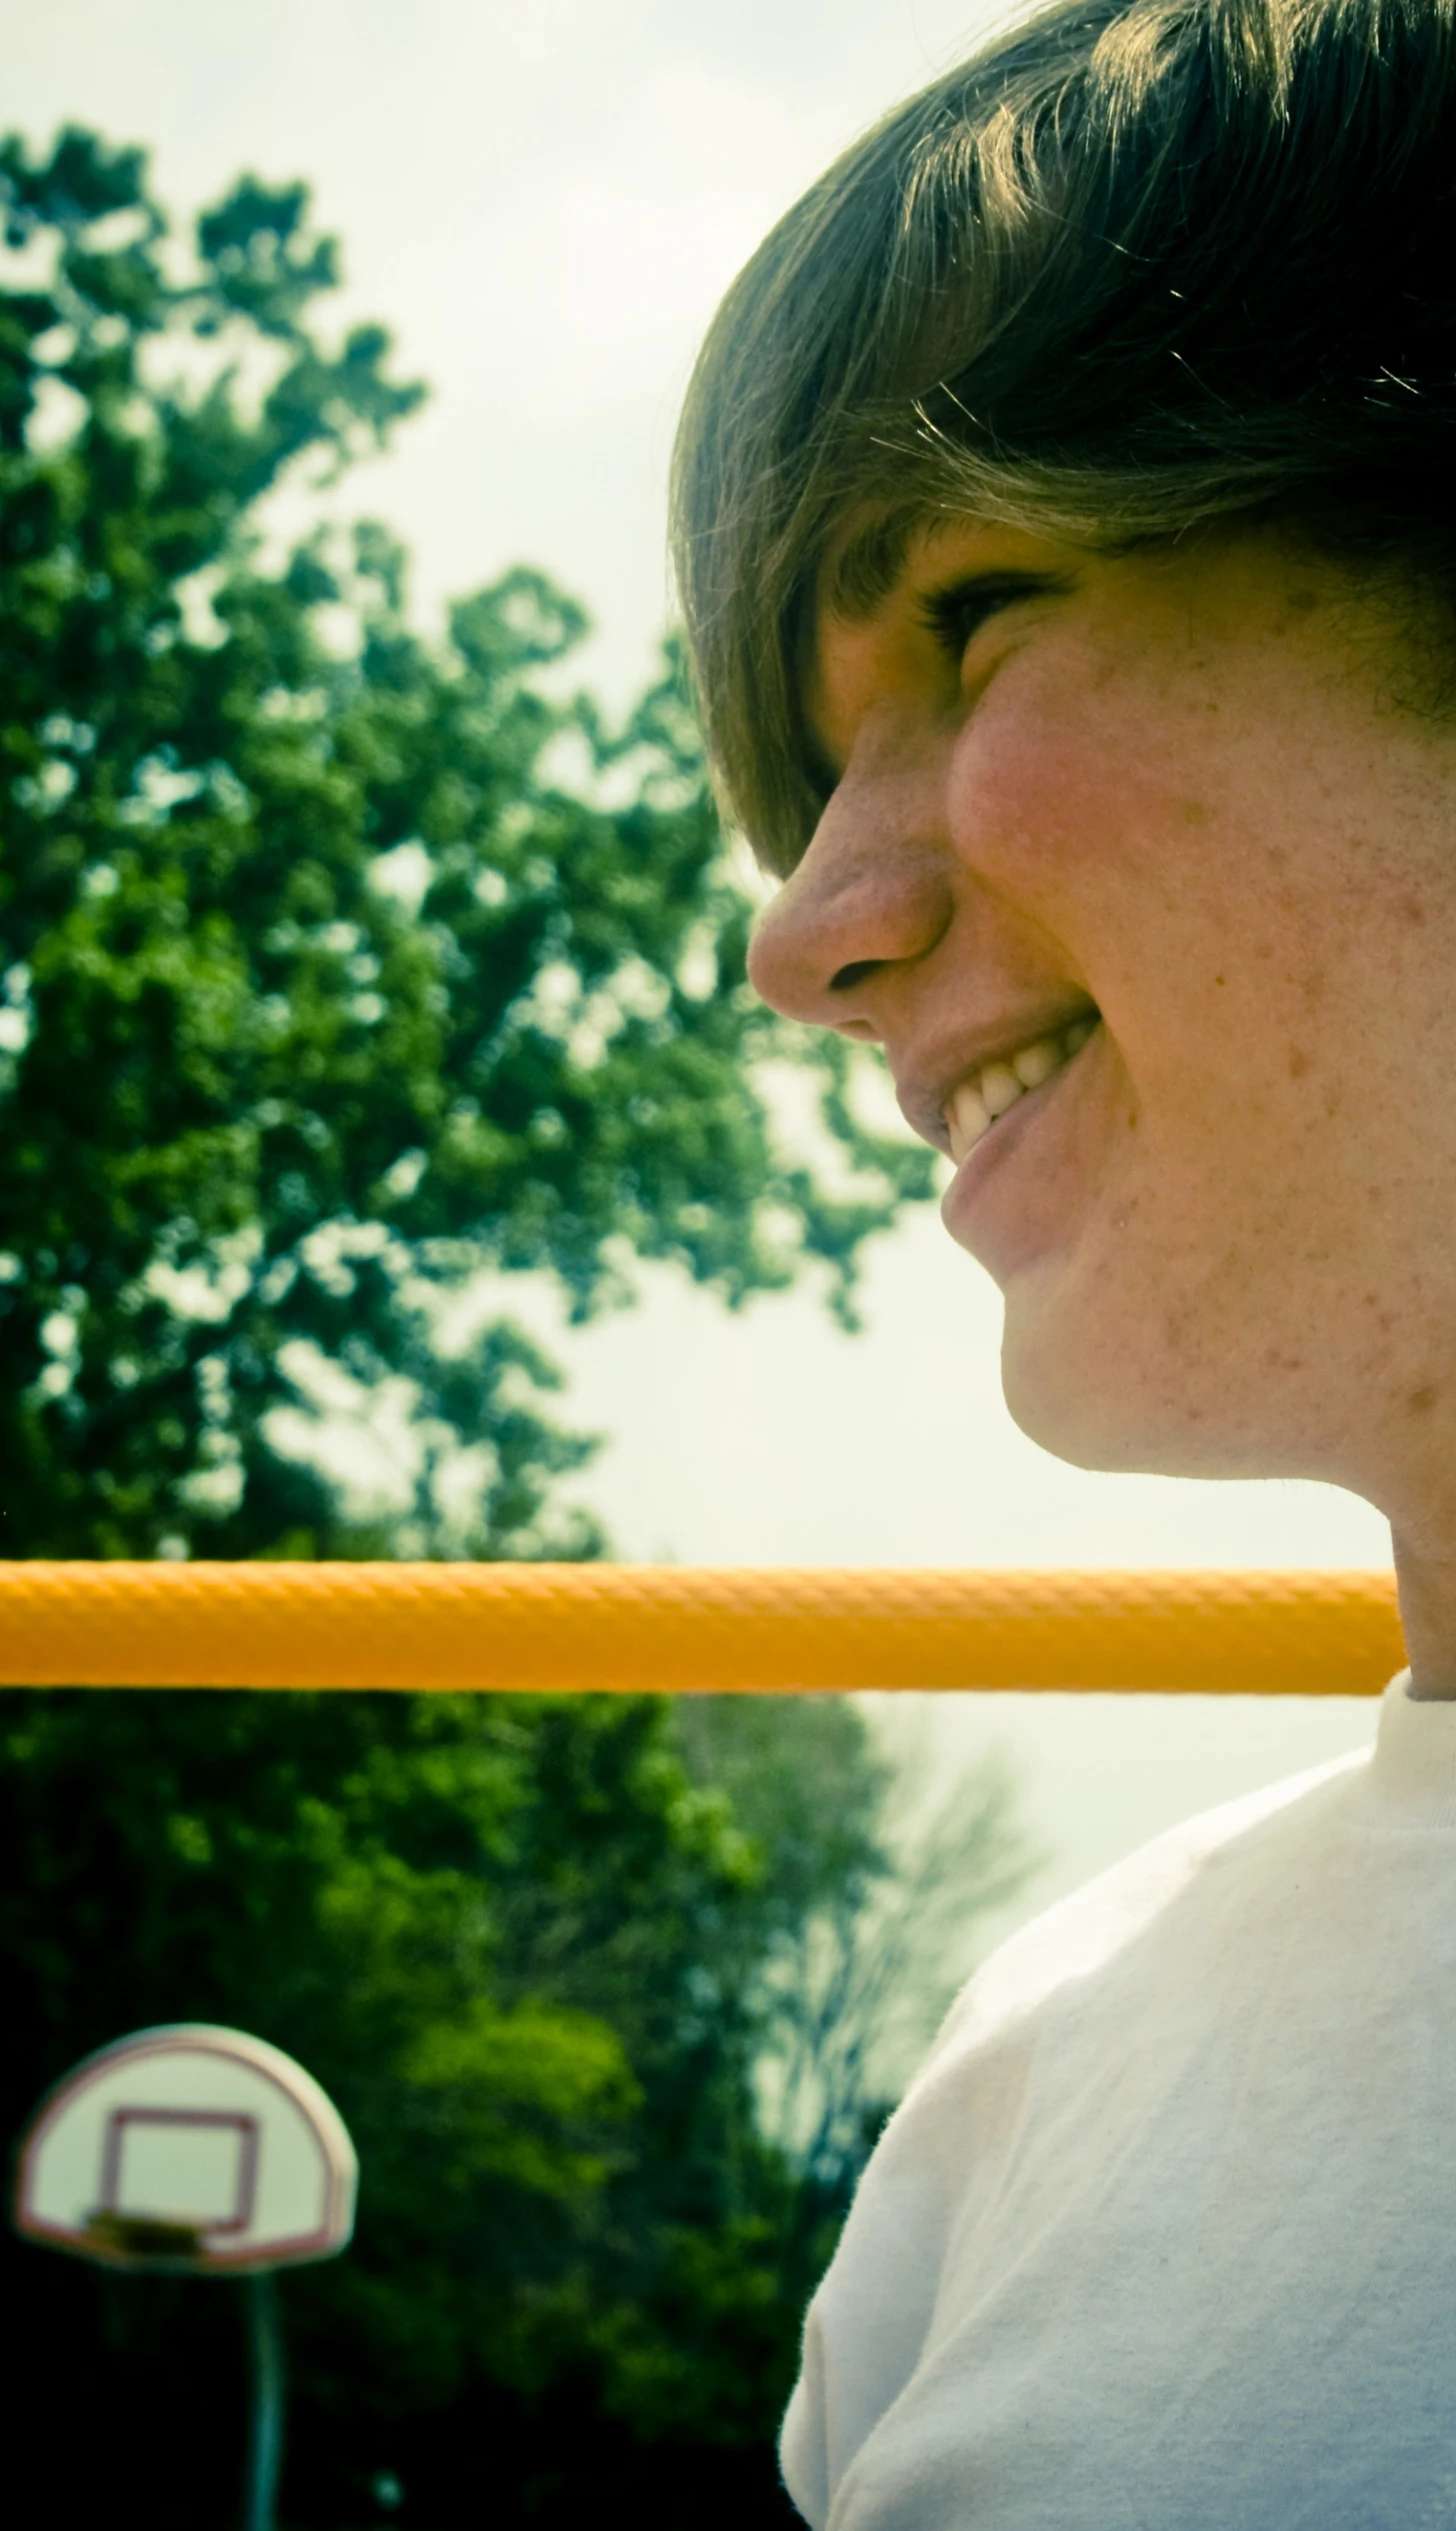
342 974
516 1939
336 967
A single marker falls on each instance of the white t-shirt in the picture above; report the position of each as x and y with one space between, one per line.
1163 2237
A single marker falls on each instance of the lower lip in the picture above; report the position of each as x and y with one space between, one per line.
1011 1197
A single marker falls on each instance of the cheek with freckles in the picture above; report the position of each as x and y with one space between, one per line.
1068 809
1150 855
1204 1222
1239 1235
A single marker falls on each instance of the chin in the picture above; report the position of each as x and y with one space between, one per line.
1077 1425
1112 1415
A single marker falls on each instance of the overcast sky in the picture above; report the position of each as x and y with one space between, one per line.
544 201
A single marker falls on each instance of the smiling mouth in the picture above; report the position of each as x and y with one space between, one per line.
989 1093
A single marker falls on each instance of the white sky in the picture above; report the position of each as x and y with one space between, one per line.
544 200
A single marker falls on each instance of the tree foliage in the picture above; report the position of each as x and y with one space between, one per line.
344 973
336 965
516 1940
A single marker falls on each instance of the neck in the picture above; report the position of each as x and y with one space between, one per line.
1426 1576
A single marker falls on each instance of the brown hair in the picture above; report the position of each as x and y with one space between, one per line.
1138 266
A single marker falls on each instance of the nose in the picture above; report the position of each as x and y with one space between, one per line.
869 900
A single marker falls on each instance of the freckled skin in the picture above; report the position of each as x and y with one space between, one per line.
1175 786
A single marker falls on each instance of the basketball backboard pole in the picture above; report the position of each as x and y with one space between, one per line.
195 2151
265 2403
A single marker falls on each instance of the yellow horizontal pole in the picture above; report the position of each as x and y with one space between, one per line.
670 1628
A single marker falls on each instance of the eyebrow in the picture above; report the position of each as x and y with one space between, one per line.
870 563
867 570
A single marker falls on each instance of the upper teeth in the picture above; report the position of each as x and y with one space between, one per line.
987 1094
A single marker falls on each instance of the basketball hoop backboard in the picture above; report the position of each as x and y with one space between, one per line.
189 2148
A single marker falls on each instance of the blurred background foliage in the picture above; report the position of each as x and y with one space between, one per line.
344 973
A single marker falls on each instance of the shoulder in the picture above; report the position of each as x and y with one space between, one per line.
1027 2037
1086 1932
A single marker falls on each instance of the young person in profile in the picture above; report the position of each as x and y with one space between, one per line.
1066 529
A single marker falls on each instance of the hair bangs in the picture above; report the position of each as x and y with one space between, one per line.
1133 270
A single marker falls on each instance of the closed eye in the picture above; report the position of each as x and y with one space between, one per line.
956 613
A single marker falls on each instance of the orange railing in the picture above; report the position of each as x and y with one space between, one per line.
675 1627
